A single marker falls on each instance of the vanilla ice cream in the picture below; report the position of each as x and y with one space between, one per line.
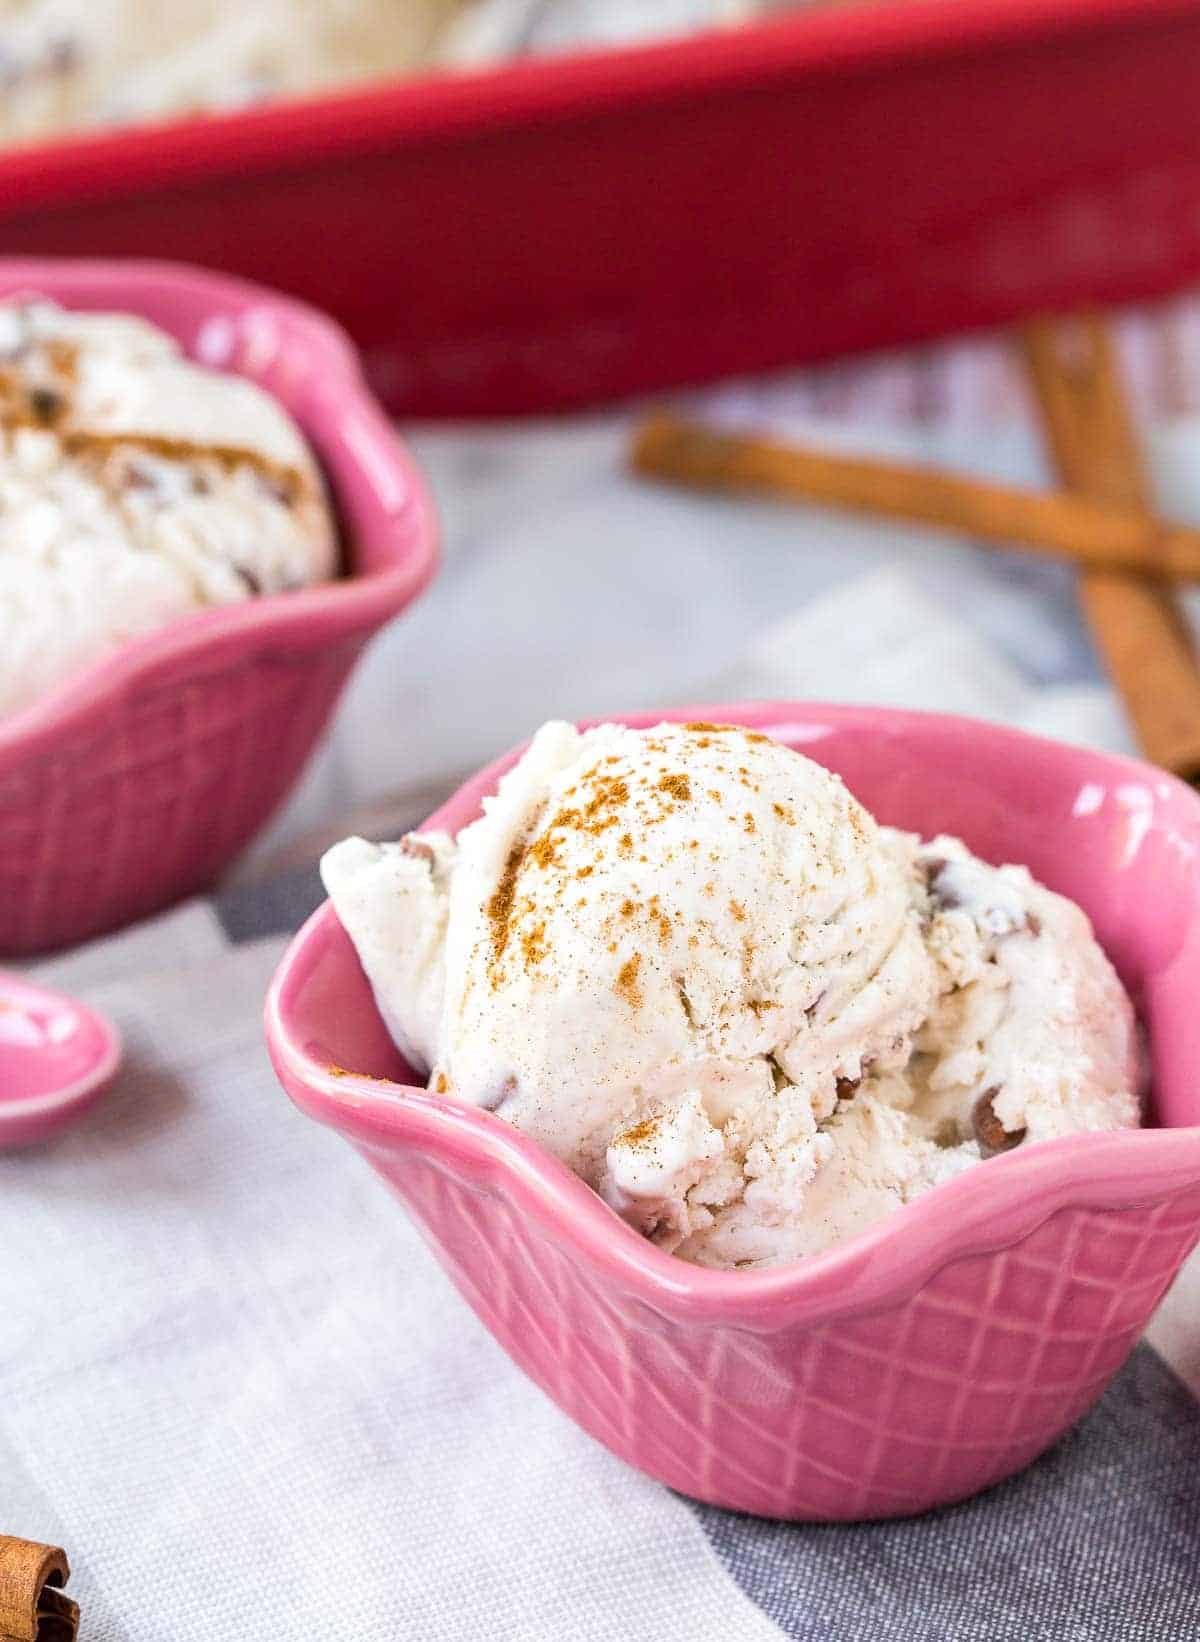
73 64
66 64
689 963
485 30
136 487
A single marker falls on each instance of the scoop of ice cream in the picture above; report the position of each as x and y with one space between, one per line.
135 486
663 954
692 966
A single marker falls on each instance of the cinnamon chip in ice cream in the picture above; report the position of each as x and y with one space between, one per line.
991 1134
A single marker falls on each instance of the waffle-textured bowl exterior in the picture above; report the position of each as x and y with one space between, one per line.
933 1354
137 781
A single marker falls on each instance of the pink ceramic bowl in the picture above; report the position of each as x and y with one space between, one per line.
137 781
935 1353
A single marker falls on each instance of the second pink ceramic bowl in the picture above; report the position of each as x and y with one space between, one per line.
136 781
938 1351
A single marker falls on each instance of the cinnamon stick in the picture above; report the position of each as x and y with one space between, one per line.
32 1607
1057 523
1135 622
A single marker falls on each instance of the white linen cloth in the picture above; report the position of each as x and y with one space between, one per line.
236 1387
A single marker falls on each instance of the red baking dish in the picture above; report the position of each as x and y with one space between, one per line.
558 232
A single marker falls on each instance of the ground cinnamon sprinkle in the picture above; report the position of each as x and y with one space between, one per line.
607 795
544 851
38 392
63 356
287 479
627 981
658 916
533 944
857 824
640 1134
336 1071
678 786
700 727
44 407
609 791
500 905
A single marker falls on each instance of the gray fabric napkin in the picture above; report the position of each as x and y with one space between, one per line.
1098 1541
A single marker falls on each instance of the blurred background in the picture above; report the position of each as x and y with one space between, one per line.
812 221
